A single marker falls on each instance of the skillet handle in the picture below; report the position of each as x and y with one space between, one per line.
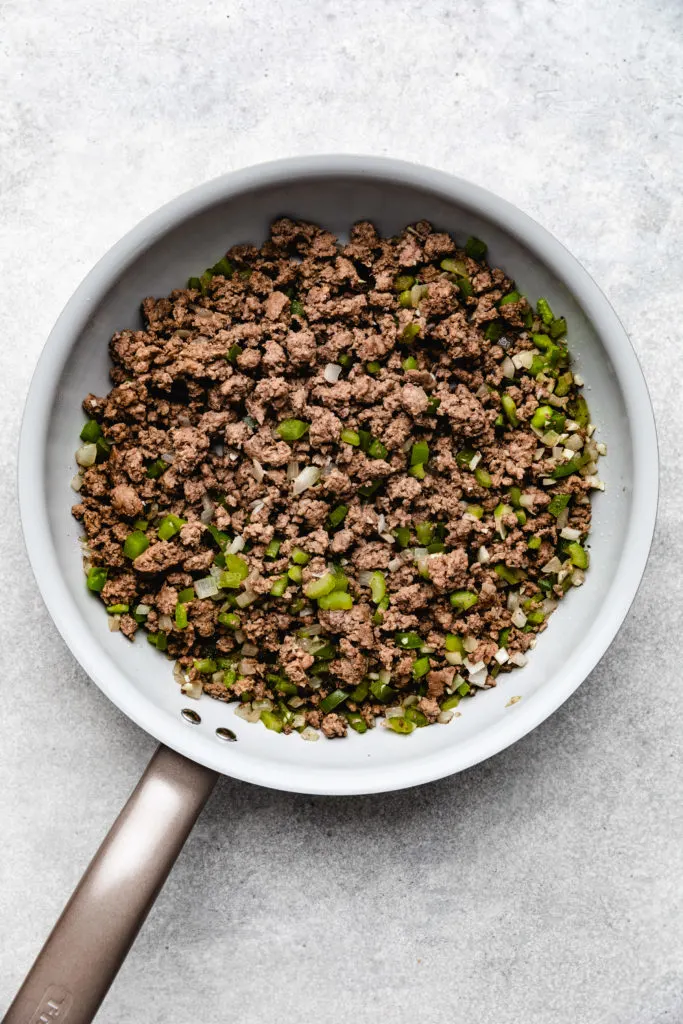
91 939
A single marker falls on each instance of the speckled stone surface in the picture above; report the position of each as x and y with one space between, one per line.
543 887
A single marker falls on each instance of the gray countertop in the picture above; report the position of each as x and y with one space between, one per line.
543 887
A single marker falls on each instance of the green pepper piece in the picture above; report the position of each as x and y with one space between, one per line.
461 600
292 430
333 700
134 544
96 578
475 248
400 725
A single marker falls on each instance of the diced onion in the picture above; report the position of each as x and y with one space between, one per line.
574 443
396 712
548 606
578 380
501 656
364 577
474 667
86 455
262 705
519 618
77 482
470 644
475 460
595 483
207 509
331 372
482 391
411 701
237 545
240 636
523 359
114 623
518 659
578 577
483 556
306 478
246 669
205 587
394 564
479 678
249 651
381 523
508 367
292 469
246 598
143 609
453 657
554 565
527 500
563 519
165 623
445 717
384 675
513 601
310 734
602 448
570 534
257 505
192 688
259 471
168 457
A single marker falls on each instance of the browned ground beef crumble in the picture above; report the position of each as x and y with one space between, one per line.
436 391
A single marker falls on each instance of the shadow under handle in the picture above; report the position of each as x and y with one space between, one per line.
91 939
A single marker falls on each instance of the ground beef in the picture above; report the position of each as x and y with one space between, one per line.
376 534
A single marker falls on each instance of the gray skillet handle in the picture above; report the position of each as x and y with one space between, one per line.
87 946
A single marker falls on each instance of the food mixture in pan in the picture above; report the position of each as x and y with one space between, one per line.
341 484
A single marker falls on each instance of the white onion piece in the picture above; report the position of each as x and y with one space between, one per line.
257 505
570 534
574 443
259 471
482 391
519 618
364 577
470 644
479 678
381 523
508 367
513 601
249 651
292 469
310 734
246 669
384 675
168 457
526 501
264 704
578 380
192 689
518 659
548 606
396 712
331 372
453 657
246 598
523 360
143 609
215 571
601 447
77 482
237 545
387 537
205 587
578 577
165 622
445 717
563 519
501 656
595 483
394 564
483 556
240 636
475 460
86 455
114 623
207 511
554 565
410 701
306 478
474 667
